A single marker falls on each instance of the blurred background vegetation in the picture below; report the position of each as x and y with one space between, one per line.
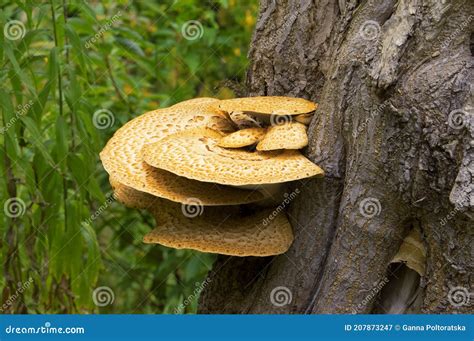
66 60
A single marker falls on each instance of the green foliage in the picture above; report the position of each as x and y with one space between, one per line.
66 61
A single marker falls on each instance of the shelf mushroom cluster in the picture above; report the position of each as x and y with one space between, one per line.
207 169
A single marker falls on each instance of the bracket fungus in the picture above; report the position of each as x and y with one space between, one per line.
195 154
219 231
290 135
267 105
204 149
121 157
242 138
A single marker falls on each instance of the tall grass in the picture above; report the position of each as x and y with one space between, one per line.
72 72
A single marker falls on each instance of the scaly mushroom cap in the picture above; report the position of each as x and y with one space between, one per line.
200 102
195 154
285 136
131 197
215 230
210 229
242 138
122 157
276 105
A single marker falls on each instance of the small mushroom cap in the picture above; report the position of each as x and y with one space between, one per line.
195 154
290 135
122 158
412 252
243 120
276 105
214 230
304 118
242 138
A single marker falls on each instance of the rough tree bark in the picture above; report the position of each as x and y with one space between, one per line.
394 133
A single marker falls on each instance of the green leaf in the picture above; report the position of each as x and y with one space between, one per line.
61 142
36 138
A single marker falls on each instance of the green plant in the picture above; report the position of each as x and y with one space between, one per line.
72 73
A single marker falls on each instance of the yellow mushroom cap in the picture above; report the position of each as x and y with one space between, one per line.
131 197
243 120
122 157
304 118
200 102
412 252
290 135
214 230
242 138
195 154
276 105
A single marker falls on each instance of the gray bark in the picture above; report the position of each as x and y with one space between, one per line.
393 132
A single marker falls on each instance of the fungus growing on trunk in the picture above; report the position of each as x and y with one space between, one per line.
242 138
267 105
290 135
195 154
121 157
172 155
223 231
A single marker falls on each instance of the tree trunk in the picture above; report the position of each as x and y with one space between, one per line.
394 133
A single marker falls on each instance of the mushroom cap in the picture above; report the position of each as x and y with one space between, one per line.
243 120
412 252
122 157
216 230
199 102
131 197
196 155
276 105
304 118
180 189
242 138
290 135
